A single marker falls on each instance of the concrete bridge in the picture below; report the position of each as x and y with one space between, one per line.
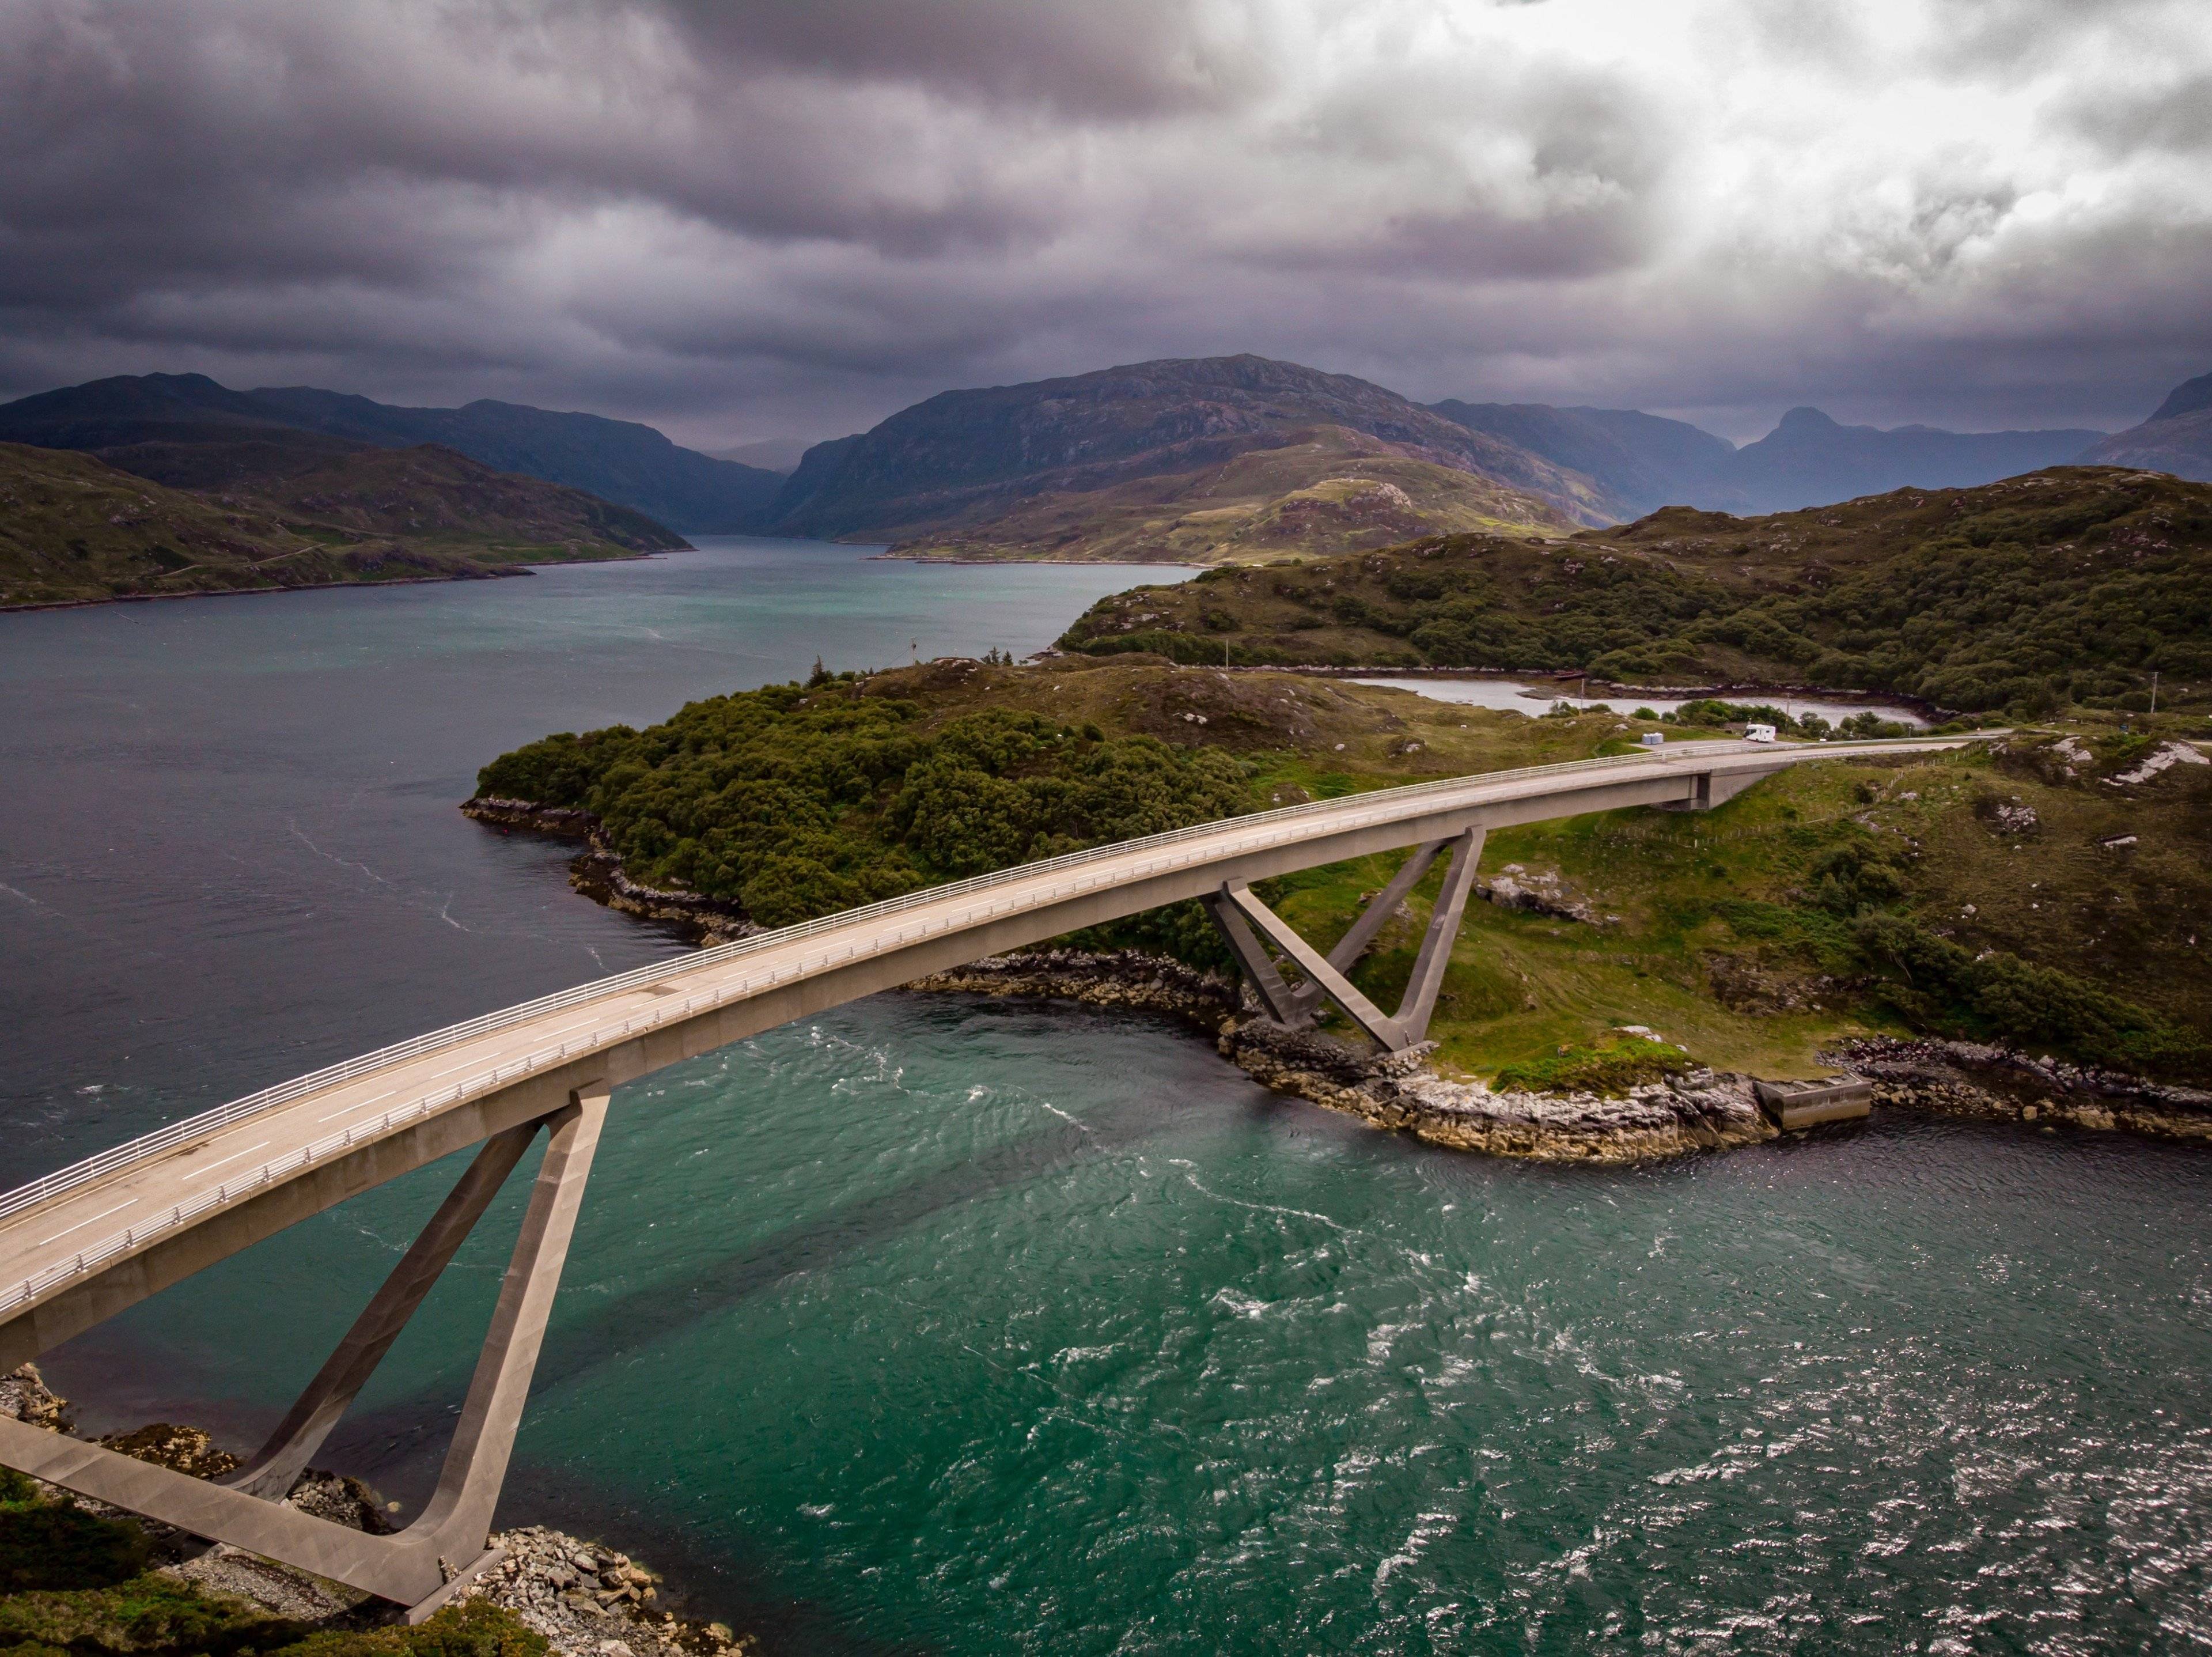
83 1243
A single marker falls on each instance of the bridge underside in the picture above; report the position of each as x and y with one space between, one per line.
567 1103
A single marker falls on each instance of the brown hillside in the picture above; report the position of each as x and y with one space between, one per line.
1326 490
74 528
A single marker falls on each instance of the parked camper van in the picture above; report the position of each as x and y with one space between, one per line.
1759 732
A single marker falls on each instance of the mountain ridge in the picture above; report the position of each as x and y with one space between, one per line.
1645 462
948 462
155 421
2176 438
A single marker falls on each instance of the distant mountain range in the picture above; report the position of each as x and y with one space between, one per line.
2176 438
1643 462
781 456
1134 462
1206 459
188 431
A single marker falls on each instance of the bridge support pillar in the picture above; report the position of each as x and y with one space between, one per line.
1281 1003
1709 790
422 1565
1238 913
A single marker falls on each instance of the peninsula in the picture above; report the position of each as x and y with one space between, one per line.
1621 955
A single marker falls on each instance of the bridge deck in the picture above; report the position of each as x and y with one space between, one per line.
58 1232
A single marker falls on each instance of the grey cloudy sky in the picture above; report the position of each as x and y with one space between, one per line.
751 220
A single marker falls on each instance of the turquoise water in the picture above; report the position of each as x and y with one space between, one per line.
941 1324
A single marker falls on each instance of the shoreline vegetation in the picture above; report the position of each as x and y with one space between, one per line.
494 573
77 1577
1820 920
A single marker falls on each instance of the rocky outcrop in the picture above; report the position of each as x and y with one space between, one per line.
1130 980
570 821
1699 1112
1394 1091
599 874
25 1396
185 1450
600 877
590 1600
1538 891
1964 1078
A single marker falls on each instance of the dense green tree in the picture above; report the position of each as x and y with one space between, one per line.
792 802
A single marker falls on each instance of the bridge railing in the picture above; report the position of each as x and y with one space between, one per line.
1261 829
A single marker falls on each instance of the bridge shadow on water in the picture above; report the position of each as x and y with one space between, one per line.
397 1443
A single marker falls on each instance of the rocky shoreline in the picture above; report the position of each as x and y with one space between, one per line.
587 1599
598 872
1393 1091
1968 1079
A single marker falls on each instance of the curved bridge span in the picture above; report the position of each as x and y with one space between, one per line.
84 1243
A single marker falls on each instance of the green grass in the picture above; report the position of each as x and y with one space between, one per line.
76 1584
1607 1067
1699 896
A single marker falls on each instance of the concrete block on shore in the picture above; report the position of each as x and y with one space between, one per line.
1792 1104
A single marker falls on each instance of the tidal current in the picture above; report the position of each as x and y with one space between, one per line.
942 1324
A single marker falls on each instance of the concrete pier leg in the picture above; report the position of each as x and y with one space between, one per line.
1429 966
459 1514
1372 919
277 1464
1280 1000
1310 961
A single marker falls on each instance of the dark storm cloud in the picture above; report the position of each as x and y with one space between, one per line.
749 219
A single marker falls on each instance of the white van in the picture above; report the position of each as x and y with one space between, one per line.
1759 732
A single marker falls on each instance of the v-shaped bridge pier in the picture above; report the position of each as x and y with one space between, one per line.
422 1565
1244 921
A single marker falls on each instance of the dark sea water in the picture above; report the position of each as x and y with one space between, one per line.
940 1324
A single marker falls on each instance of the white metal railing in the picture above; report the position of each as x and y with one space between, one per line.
1262 830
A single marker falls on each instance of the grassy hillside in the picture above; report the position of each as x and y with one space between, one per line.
1869 895
2069 585
434 498
188 431
1327 490
73 527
